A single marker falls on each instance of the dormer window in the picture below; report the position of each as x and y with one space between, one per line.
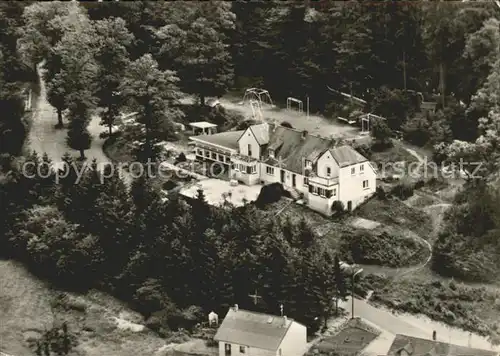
271 153
308 163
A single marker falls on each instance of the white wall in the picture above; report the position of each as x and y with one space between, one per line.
351 185
247 178
249 351
246 139
295 341
326 160
276 178
322 204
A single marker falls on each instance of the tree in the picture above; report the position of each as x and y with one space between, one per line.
112 59
481 51
196 46
44 26
71 69
381 133
155 93
445 30
340 283
75 82
79 137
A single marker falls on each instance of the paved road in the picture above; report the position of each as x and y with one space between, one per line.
417 326
383 319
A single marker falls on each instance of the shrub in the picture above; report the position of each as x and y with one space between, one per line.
338 207
286 124
420 183
380 193
269 194
243 125
169 185
402 191
365 150
180 158
211 343
393 250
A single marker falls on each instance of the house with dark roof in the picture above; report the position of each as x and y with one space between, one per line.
404 345
311 167
245 332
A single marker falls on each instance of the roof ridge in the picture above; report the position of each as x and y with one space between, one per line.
259 313
308 134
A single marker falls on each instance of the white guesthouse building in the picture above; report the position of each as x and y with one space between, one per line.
307 165
246 333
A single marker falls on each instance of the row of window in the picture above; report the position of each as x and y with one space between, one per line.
245 169
213 155
361 169
328 193
243 350
322 192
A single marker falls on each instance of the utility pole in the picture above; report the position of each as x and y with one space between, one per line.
404 70
352 290
308 107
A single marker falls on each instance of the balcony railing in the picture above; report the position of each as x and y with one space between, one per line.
323 181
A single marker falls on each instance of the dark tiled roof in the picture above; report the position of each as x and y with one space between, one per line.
252 329
422 347
227 139
292 148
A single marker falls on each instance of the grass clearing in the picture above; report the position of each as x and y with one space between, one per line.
28 307
397 213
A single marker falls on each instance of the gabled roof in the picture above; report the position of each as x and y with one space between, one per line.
421 347
346 156
227 139
253 329
261 133
292 147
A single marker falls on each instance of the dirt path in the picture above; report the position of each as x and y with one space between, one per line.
45 138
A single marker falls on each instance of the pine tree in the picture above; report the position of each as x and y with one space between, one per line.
340 283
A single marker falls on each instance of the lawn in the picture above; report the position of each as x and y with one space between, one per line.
102 325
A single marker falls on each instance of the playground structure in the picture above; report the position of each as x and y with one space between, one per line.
366 122
290 101
256 110
262 96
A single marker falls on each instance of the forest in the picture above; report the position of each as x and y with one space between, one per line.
176 260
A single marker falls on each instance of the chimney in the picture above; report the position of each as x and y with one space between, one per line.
304 134
235 307
285 321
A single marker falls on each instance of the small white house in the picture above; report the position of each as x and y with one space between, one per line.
250 333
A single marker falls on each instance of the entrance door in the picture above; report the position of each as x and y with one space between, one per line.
349 205
282 176
293 180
